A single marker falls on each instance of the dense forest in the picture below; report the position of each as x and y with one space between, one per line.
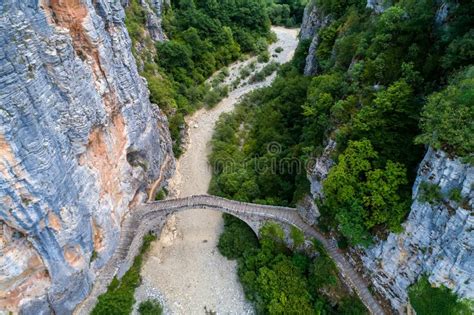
387 84
204 36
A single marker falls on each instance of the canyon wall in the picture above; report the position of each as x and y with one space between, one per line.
80 144
313 20
438 238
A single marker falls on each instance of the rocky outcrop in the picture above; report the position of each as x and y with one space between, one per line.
378 6
313 20
438 238
154 9
80 143
320 170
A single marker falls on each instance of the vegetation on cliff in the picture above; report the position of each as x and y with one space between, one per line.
428 300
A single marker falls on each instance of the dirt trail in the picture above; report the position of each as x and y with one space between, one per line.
184 265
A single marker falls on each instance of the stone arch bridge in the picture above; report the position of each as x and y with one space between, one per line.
147 217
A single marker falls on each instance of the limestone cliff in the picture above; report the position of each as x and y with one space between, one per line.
313 20
438 238
80 144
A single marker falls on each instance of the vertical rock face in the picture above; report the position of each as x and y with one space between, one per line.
154 9
438 239
320 170
79 142
313 20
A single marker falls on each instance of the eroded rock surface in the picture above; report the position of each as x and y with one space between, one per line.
313 20
438 238
79 141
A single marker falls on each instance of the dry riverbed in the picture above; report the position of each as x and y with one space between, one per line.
184 269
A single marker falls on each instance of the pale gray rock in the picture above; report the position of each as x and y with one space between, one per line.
320 170
445 6
378 6
313 20
438 240
80 143
308 210
154 9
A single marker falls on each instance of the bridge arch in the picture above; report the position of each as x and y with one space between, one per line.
254 215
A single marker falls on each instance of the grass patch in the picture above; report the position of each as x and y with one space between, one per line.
430 193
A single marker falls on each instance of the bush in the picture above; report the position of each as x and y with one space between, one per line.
429 300
236 239
361 196
448 115
278 50
264 73
263 57
455 195
161 194
245 72
119 298
150 307
430 193
214 96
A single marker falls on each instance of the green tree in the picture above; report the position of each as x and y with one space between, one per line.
150 307
448 116
360 196
427 299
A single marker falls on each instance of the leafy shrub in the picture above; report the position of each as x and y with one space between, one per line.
448 115
428 300
361 196
236 239
214 96
455 195
430 193
119 298
244 73
278 49
297 236
264 73
263 57
161 194
150 307
94 255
